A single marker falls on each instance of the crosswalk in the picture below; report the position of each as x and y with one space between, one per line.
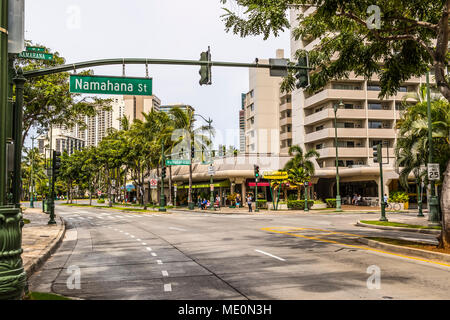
94 218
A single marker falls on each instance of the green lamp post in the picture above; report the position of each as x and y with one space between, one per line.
162 201
433 215
306 197
338 196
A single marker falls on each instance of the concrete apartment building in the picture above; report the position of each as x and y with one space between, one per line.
134 106
363 121
166 108
242 124
262 112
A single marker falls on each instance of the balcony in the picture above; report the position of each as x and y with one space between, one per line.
286 135
341 132
286 106
382 133
285 121
334 94
381 114
341 114
343 152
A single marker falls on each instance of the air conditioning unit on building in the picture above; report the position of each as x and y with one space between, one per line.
385 107
386 125
358 126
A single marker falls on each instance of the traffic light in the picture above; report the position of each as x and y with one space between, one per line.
192 152
163 172
377 157
256 169
205 70
302 75
56 163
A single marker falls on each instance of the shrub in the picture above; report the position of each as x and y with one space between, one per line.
398 197
331 202
101 200
261 203
169 207
299 204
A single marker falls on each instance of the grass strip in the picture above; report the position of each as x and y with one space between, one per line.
398 224
44 296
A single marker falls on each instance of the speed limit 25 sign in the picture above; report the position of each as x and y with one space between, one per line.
433 171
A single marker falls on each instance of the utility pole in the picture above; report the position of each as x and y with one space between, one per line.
12 274
433 215
31 174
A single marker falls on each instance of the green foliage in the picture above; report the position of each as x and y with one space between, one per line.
331 202
47 99
101 201
398 197
412 35
261 203
299 204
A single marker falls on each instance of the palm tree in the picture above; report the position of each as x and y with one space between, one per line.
298 177
301 159
191 136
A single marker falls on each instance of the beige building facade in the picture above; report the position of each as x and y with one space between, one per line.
363 120
135 106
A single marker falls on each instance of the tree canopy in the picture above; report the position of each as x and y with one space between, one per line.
410 38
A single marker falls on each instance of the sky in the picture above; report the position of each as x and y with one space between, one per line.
82 30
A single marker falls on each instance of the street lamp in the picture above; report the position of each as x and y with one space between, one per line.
338 196
211 180
31 174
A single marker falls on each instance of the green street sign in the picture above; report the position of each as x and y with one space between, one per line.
178 162
36 49
111 85
35 55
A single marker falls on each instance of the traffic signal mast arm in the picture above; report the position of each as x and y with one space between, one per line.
122 61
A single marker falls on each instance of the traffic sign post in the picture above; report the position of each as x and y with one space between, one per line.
211 172
433 171
111 85
178 162
153 184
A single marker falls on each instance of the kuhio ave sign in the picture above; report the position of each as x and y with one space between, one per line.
111 85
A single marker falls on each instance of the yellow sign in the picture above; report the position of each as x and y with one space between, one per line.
275 175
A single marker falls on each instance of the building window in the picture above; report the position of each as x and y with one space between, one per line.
344 86
319 146
373 87
375 106
375 124
403 89
318 128
251 94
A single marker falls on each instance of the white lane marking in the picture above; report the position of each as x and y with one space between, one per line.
139 240
159 262
149 249
154 254
132 236
270 255
81 218
143 243
167 287
121 231
165 273
127 233
179 229
99 217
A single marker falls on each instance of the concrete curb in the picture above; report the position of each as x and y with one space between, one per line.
442 257
427 231
34 265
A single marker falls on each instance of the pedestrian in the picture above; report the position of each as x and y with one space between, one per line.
385 199
238 201
249 202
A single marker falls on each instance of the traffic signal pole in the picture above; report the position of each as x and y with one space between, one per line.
162 201
12 274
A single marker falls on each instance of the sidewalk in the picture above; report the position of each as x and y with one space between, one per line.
39 240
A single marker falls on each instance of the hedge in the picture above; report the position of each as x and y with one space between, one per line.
299 204
331 203
261 203
101 201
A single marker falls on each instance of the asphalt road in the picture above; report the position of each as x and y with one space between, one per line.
186 255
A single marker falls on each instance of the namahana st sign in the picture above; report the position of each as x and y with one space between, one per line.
111 85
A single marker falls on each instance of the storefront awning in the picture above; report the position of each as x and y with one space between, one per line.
225 183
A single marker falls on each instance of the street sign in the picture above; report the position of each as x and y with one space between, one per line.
211 170
111 85
36 49
211 187
177 162
153 184
433 171
36 55
275 175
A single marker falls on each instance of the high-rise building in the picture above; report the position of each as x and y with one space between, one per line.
363 120
135 106
242 124
262 112
166 108
118 111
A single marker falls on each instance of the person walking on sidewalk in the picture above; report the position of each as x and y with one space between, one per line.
249 202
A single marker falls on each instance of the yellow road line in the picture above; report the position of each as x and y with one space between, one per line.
354 246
